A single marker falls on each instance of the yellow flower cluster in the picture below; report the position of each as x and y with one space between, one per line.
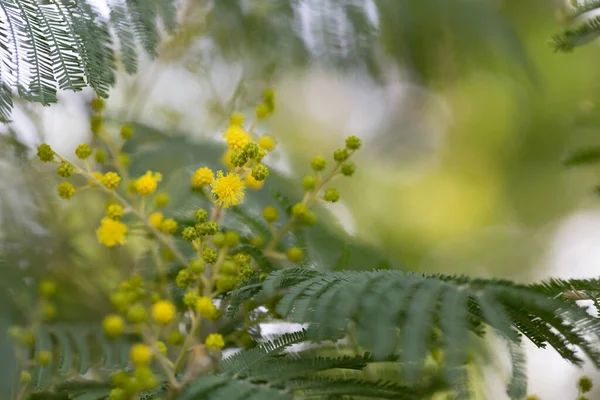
146 184
214 341
202 177
111 232
228 189
237 138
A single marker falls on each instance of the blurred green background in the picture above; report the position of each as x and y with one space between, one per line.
464 109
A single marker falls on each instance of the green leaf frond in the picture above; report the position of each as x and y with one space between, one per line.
585 26
394 312
77 349
67 45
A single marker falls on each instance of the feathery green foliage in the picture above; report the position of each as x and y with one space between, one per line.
66 44
584 26
398 313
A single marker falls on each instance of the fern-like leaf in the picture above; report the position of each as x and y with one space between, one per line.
390 310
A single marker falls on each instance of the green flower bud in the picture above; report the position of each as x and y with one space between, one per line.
232 239
45 152
197 265
251 150
309 182
189 234
228 268
242 258
201 215
25 377
43 357
271 214
295 254
341 155
262 111
239 159
126 131
319 163
219 239
352 143
100 156
66 190
209 255
225 283
189 299
208 228
97 104
348 169
298 210
260 172
331 195
184 278
176 338
585 384
65 169
162 200
137 314
95 124
83 151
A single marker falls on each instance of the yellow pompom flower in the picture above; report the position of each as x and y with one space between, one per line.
252 183
206 308
237 138
267 142
202 177
140 355
98 176
111 180
214 341
226 159
156 219
228 189
163 312
237 119
146 184
113 325
111 232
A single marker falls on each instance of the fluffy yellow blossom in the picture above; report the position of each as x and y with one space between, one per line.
267 142
228 189
111 180
237 138
252 183
98 176
111 232
140 354
202 177
156 219
206 308
214 341
226 159
163 312
146 184
113 325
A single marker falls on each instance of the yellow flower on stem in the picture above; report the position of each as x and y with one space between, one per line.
202 177
214 341
237 138
111 232
146 184
228 189
226 159
253 183
156 219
